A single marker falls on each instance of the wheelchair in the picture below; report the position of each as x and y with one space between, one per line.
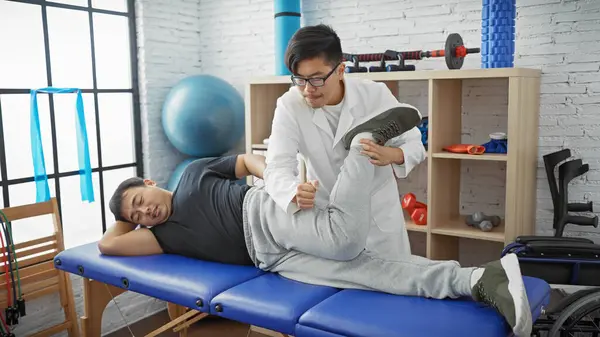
559 260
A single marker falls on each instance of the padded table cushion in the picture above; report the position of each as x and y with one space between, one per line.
271 301
249 295
364 313
171 278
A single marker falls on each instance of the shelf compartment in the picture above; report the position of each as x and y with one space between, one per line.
458 186
260 104
452 99
458 228
412 227
485 156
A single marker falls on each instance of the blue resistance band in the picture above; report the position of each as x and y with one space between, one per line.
37 152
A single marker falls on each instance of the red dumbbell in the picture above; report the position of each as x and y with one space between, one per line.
416 209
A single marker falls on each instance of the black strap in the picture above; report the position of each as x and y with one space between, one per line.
287 14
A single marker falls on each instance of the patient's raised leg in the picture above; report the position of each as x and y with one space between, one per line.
339 231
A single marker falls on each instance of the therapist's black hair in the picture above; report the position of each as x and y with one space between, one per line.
116 201
313 41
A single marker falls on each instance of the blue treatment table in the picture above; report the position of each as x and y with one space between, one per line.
269 301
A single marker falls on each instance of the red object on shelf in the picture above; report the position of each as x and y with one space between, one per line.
465 148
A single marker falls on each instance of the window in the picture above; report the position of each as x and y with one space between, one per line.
84 44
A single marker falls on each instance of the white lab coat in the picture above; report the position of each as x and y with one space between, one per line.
298 128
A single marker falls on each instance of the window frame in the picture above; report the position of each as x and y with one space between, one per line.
134 91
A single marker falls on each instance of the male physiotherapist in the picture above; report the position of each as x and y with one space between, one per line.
311 119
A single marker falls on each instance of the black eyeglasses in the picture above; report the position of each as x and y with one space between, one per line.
314 81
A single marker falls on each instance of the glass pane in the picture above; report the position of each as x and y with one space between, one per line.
22 194
1 197
22 60
113 62
66 136
82 220
116 128
112 179
70 50
17 139
83 3
113 5
31 228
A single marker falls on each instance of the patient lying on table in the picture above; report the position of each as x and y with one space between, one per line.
211 217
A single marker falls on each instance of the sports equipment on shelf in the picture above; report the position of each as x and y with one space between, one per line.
454 52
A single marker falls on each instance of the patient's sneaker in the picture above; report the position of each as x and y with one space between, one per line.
501 286
387 125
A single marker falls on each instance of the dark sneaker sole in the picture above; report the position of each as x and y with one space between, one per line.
406 118
516 288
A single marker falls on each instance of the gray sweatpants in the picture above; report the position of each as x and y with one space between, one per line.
326 246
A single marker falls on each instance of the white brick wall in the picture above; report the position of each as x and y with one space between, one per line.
235 42
168 50
568 53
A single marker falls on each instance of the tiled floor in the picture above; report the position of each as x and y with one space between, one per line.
208 327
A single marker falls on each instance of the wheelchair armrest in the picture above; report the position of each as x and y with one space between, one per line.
558 248
525 239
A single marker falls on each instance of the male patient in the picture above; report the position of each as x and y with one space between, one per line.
210 217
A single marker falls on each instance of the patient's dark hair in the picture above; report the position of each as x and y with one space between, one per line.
116 201
313 41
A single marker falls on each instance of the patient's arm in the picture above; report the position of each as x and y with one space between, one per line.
250 164
124 239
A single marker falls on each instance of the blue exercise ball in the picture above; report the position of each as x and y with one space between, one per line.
178 171
203 116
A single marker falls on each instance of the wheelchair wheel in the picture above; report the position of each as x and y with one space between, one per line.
578 318
556 309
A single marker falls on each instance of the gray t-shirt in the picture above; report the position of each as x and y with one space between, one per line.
206 222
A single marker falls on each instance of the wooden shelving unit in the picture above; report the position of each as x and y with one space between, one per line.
446 226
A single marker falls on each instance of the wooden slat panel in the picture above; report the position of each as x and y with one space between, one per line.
26 244
52 330
30 290
37 274
33 295
29 261
27 252
41 292
30 270
33 287
39 285
28 211
31 278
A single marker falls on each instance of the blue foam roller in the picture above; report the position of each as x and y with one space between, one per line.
287 22
498 33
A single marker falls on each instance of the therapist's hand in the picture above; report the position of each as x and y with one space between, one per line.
305 194
382 155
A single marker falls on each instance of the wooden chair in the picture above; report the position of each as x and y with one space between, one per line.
37 273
